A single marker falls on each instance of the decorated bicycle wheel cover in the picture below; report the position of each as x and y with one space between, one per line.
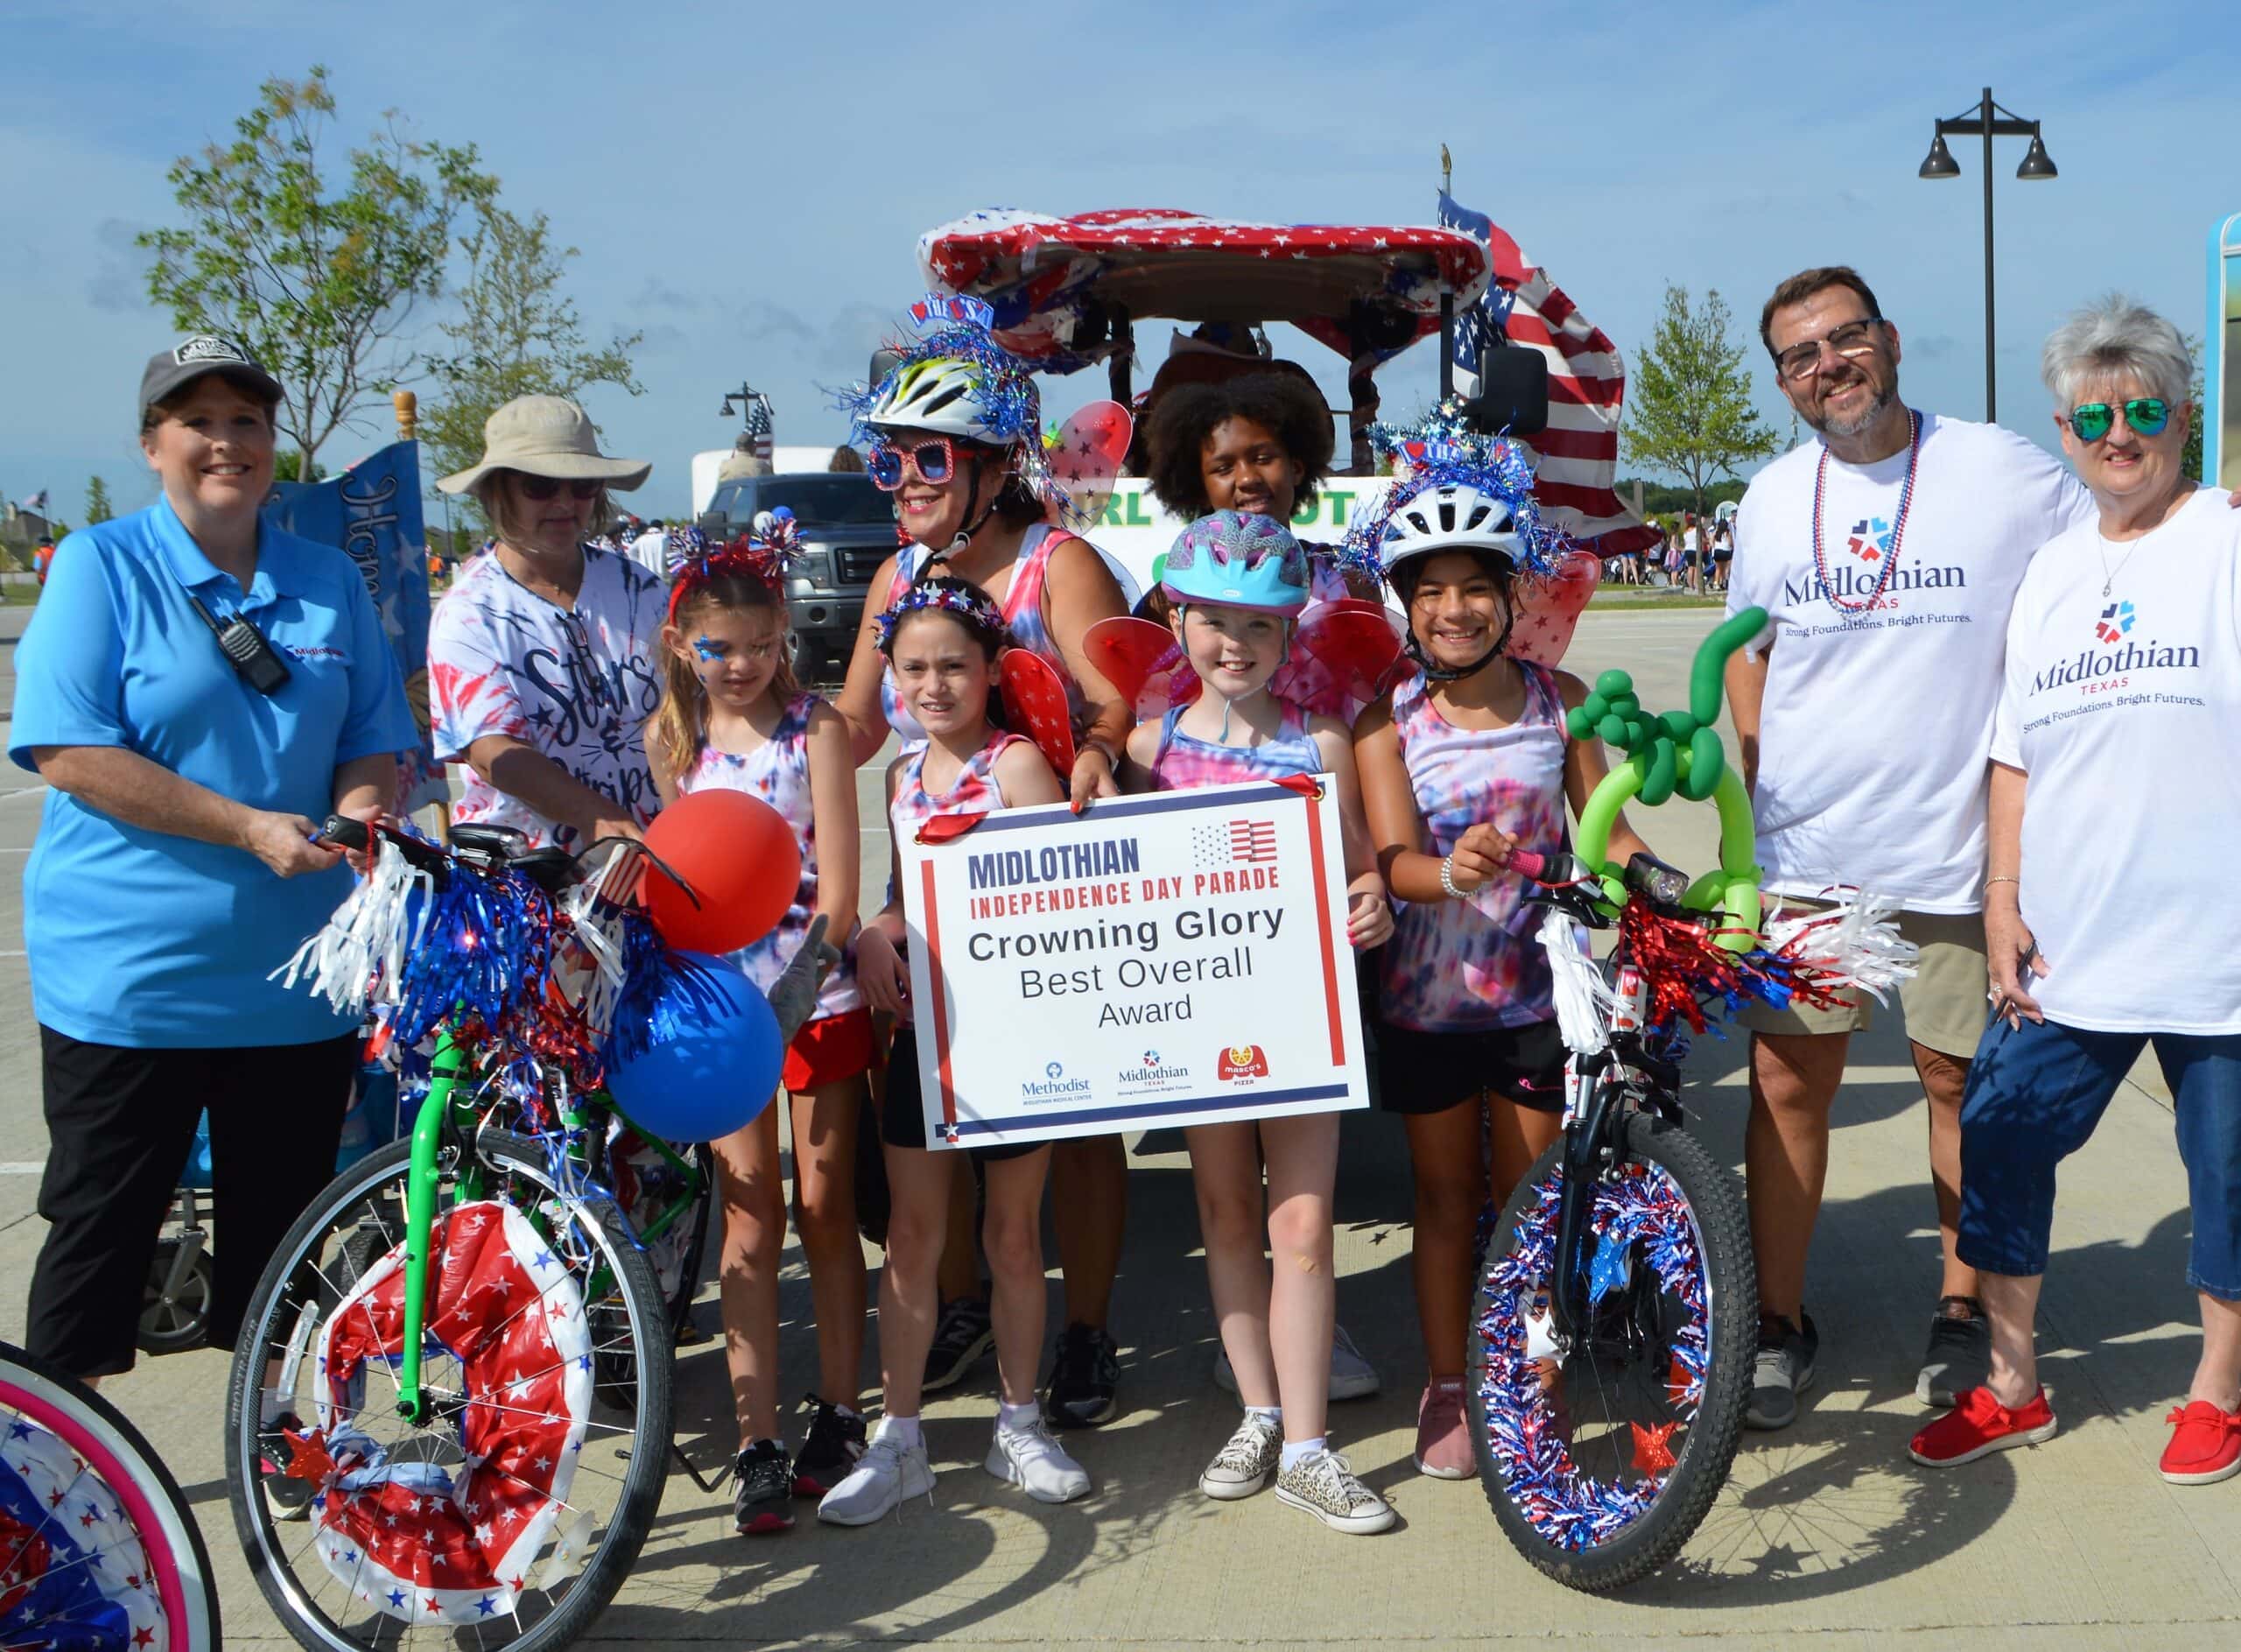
410 1539
1035 703
1643 1217
1549 610
73 1570
1143 661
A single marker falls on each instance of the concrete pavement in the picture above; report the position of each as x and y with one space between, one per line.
1825 1531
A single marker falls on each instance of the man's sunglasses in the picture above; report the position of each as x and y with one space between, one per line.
542 487
934 460
1854 337
2147 415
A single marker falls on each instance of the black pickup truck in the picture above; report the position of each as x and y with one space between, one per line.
847 530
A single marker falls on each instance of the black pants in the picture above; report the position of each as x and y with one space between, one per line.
119 1123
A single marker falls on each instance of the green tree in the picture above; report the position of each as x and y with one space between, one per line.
316 279
2190 456
97 507
288 465
517 335
1688 409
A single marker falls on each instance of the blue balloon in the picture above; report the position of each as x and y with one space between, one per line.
699 1055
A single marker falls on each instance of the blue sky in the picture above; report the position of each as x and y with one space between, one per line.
746 181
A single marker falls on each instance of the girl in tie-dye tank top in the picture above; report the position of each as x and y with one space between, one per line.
1235 585
942 639
1463 763
732 719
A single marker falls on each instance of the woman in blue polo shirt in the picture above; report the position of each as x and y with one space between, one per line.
175 867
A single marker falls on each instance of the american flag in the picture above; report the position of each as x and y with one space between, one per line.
1226 842
1579 452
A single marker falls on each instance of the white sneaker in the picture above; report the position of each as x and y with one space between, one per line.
887 1473
1243 1465
1030 1459
1351 1377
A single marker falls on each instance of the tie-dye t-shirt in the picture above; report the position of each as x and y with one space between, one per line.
1022 612
576 684
1476 964
975 792
1184 762
777 772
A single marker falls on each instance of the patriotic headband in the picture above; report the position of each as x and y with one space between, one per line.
1441 450
966 602
770 547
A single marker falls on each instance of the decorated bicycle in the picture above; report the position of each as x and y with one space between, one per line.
1616 1317
455 1374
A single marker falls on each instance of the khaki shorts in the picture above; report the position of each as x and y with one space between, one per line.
1944 1007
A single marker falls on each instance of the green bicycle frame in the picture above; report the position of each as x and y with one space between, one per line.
440 1114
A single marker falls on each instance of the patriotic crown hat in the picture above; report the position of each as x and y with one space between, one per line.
771 545
957 380
965 601
1441 452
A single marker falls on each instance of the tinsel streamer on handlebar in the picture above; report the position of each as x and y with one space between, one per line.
1681 965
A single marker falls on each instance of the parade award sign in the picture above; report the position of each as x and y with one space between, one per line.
1179 958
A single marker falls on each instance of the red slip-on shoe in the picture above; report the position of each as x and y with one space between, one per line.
1978 1423
2205 1445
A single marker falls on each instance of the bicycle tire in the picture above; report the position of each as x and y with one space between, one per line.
290 1581
149 1500
1495 1392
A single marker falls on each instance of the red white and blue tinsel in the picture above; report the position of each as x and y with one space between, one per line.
1009 405
1639 1222
1440 451
74 1575
771 545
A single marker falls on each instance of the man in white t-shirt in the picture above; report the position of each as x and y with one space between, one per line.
650 549
1887 553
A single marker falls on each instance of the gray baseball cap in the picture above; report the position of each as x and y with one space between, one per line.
173 370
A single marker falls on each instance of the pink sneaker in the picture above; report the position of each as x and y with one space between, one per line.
1443 1438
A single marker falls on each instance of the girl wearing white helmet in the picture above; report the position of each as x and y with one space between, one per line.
1463 763
1236 583
954 432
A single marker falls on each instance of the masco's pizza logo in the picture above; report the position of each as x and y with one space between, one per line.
1241 1061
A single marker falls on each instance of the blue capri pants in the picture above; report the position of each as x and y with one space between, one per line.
2035 1093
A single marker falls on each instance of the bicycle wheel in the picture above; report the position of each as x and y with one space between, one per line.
514 1513
1600 1458
96 1546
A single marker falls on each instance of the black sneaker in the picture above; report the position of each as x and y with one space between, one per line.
762 1490
1082 1373
961 1336
288 1497
834 1442
1960 1354
1782 1371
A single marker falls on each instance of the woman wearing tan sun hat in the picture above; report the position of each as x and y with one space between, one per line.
543 658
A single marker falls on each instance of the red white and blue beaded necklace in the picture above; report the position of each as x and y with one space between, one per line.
1898 524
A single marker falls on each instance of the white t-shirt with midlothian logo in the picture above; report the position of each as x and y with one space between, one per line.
2121 709
576 684
1875 728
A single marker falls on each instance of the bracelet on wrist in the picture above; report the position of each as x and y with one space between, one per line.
2016 881
1447 879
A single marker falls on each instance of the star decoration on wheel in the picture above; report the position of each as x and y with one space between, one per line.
1651 1453
308 1459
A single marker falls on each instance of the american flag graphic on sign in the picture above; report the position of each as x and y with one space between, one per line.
1229 842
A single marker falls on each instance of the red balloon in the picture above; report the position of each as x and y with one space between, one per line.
742 861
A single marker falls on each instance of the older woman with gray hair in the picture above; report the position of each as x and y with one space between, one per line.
2111 776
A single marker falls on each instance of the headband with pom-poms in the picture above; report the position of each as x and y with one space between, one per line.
1440 451
771 545
1007 408
961 599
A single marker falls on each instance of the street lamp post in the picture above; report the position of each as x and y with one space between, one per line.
1989 121
753 407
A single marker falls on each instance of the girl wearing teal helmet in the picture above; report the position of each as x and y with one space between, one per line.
1237 583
